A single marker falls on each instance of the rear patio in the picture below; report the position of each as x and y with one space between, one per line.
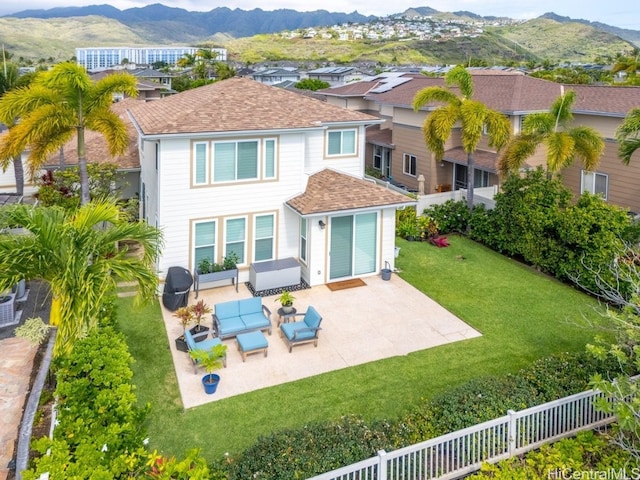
379 320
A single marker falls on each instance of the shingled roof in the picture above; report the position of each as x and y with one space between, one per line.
329 191
239 104
508 92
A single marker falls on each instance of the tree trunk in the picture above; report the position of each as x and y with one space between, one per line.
18 170
470 180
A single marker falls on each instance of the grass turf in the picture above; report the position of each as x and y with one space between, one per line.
522 315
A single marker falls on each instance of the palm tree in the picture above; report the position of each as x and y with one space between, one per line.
628 135
76 253
473 116
9 79
57 105
563 144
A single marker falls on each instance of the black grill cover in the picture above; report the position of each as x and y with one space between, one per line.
176 288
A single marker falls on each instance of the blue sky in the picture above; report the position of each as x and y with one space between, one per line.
620 13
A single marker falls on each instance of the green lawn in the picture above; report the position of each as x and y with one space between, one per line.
522 315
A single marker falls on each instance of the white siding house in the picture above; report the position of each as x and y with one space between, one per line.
238 166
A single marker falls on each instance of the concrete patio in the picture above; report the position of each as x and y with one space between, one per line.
379 320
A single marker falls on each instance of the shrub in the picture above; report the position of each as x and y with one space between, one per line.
310 450
450 216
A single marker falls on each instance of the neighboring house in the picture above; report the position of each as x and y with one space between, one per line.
97 151
397 148
272 76
335 76
151 85
238 166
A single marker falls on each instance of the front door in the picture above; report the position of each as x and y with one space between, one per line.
353 245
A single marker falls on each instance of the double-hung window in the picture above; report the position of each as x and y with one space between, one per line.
409 164
234 161
596 183
264 236
341 142
236 238
205 242
377 157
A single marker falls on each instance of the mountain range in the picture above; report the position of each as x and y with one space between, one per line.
246 23
53 34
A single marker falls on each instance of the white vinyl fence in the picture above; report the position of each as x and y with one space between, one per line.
460 453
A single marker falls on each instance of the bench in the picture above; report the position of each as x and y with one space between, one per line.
241 316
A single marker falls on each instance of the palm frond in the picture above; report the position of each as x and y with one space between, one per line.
538 123
561 108
628 134
434 95
589 146
560 151
472 115
516 152
112 128
460 77
498 128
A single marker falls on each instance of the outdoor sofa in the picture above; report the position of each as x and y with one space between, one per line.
241 316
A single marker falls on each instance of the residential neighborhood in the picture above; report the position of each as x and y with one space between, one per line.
279 282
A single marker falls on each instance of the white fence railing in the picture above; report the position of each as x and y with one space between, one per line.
460 453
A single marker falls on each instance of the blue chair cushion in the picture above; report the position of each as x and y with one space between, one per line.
312 318
231 325
188 338
252 341
290 329
255 320
208 344
227 309
250 305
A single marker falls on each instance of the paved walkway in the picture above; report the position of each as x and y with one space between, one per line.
16 363
379 320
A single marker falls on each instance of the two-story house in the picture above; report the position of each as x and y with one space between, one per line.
398 151
238 166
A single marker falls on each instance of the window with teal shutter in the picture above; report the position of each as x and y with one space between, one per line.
224 162
269 158
205 242
201 163
264 237
235 236
247 160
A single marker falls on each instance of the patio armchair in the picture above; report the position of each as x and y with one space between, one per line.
302 331
193 343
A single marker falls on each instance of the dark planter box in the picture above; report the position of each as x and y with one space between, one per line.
199 278
199 329
181 345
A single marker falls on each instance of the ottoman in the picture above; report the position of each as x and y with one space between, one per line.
252 342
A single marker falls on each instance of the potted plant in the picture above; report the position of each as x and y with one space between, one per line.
286 300
211 360
208 271
185 317
198 311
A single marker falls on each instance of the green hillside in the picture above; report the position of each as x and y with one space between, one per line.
539 39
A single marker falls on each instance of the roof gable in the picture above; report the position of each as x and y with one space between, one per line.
331 191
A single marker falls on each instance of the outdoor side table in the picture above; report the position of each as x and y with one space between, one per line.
285 317
252 342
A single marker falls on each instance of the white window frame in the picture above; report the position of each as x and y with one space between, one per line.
214 244
588 183
409 157
272 237
342 143
243 259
